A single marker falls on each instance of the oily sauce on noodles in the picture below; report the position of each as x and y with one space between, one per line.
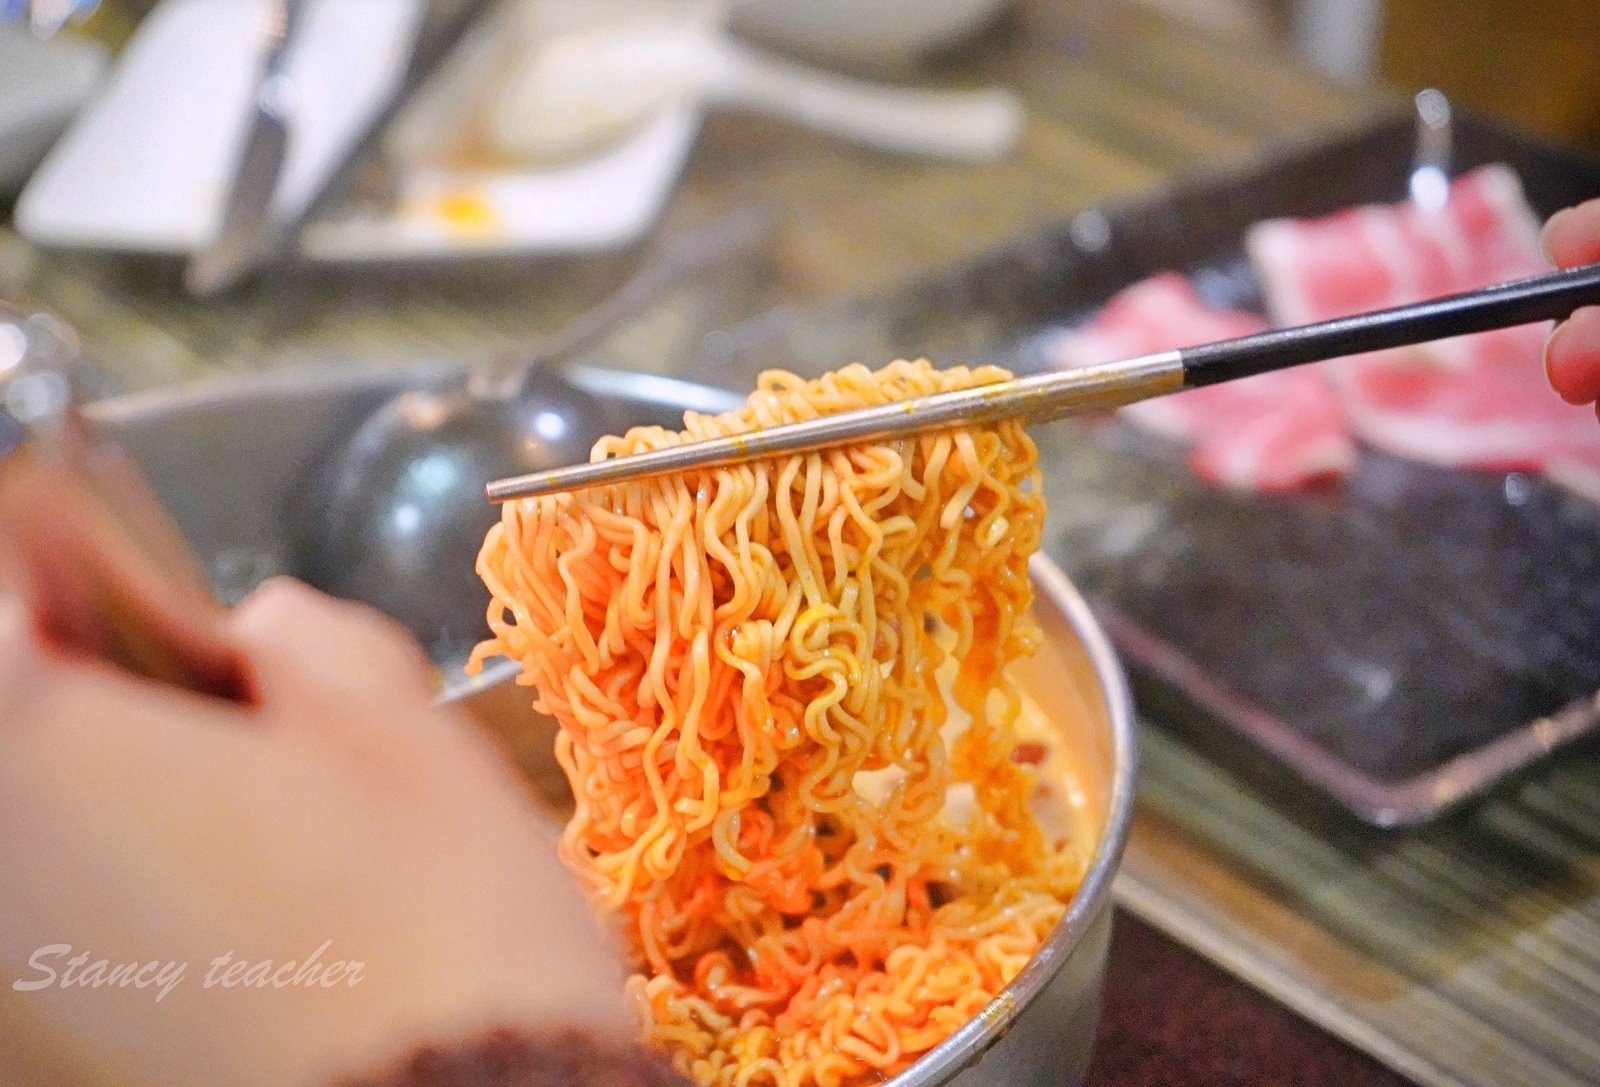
829 824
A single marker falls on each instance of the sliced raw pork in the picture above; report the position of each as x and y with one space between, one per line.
1474 401
1269 433
1479 401
1368 258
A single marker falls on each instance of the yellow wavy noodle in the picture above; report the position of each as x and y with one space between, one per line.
726 651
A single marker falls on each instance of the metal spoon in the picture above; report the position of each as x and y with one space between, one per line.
395 518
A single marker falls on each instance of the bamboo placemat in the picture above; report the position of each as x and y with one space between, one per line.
1466 953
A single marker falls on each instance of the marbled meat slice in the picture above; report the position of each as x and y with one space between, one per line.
1474 401
1368 258
1273 432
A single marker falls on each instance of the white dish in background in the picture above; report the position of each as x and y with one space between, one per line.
458 193
601 203
42 84
555 127
871 33
559 126
148 166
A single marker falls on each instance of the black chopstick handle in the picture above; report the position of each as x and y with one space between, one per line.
1550 297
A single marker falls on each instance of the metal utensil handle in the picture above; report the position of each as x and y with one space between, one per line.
247 235
1043 397
1541 298
675 259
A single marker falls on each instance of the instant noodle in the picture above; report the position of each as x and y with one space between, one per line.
785 717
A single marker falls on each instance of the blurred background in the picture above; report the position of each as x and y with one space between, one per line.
276 225
1119 95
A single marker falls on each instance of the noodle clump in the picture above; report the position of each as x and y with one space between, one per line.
761 675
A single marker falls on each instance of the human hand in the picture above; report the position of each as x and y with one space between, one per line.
1572 358
140 824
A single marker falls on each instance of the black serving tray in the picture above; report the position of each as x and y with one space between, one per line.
1402 641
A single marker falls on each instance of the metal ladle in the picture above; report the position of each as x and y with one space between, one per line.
395 518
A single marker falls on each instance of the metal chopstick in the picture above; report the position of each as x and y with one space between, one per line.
1043 397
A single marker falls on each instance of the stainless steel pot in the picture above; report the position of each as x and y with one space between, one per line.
231 460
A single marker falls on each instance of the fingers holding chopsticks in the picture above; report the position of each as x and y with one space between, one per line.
304 644
1572 357
1572 236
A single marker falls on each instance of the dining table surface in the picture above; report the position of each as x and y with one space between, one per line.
1120 97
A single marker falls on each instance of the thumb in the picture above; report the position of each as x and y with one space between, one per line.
1572 236
305 645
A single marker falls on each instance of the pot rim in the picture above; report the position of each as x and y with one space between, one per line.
973 1038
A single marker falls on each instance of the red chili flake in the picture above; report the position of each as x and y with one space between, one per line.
1029 753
